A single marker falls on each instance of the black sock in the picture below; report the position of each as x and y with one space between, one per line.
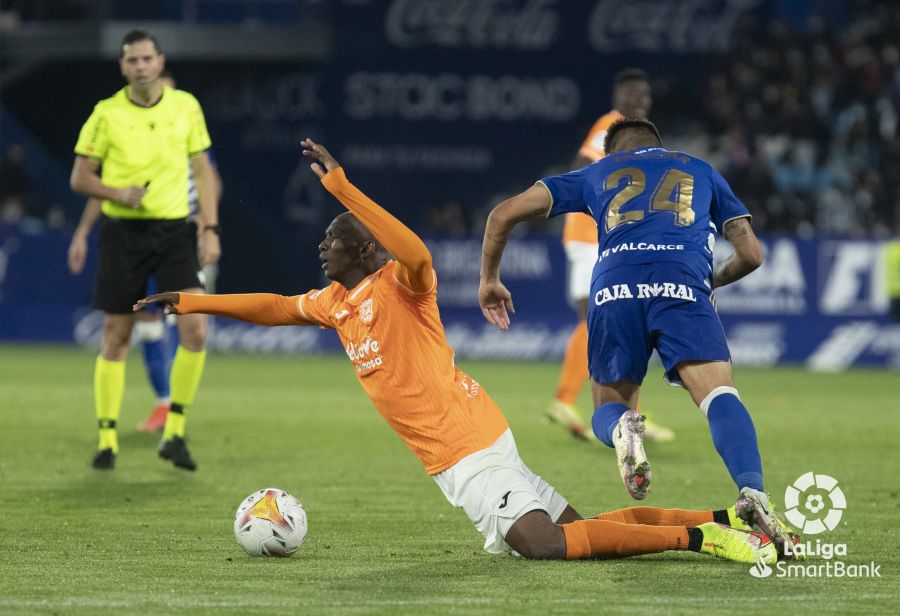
720 516
695 539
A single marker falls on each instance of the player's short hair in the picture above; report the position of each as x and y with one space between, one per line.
625 124
629 74
134 36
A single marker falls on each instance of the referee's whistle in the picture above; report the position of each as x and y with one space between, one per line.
147 184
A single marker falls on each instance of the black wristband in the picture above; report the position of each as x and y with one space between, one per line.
214 228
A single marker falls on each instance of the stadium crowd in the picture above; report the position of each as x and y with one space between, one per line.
804 123
801 120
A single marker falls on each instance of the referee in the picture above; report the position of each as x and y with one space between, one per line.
142 138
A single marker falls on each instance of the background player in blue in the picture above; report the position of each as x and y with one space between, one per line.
657 212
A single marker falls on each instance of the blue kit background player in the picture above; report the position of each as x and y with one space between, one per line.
657 212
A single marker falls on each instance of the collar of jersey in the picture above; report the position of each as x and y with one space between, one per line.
355 295
643 150
128 98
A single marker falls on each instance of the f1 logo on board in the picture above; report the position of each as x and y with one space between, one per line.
852 278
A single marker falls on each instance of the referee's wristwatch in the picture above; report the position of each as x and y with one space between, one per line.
217 229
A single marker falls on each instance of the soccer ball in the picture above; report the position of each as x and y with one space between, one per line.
270 522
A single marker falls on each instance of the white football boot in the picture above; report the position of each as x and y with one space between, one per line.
628 438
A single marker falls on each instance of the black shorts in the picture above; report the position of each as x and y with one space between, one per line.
131 251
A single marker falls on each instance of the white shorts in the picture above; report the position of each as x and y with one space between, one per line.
582 257
495 488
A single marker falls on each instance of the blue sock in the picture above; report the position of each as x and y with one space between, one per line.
604 421
734 436
174 339
156 360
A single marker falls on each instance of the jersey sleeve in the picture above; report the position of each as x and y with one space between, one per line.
260 308
398 239
198 138
725 205
398 275
315 307
592 146
567 192
93 141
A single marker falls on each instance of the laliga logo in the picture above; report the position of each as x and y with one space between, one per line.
812 490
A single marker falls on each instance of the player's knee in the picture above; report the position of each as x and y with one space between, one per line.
193 334
546 547
702 378
149 331
115 345
537 539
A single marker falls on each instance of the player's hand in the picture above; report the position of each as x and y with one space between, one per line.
210 248
322 156
169 302
496 303
132 195
78 250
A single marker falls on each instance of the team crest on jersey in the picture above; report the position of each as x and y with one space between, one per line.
365 311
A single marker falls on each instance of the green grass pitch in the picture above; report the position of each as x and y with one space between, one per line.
148 538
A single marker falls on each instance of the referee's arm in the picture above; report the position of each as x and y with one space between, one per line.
85 180
208 192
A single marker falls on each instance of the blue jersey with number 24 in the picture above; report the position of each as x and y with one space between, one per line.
650 205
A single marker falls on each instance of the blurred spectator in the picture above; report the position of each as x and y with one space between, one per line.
15 185
21 201
449 219
45 10
805 122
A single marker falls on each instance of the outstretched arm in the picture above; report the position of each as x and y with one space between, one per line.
398 239
493 296
747 256
260 308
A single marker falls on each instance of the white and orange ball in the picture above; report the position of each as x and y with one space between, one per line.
270 522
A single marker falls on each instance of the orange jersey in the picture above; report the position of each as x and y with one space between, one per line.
391 330
396 341
581 227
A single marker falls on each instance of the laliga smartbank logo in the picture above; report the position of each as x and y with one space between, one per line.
814 504
761 569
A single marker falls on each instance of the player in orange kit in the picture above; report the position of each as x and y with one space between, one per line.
631 98
385 312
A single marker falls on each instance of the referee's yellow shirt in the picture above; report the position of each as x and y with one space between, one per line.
136 145
892 268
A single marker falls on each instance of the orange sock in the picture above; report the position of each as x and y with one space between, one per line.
605 539
653 516
575 365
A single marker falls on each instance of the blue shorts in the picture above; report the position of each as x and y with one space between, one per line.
634 309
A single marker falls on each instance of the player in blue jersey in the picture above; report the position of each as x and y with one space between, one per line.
657 212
